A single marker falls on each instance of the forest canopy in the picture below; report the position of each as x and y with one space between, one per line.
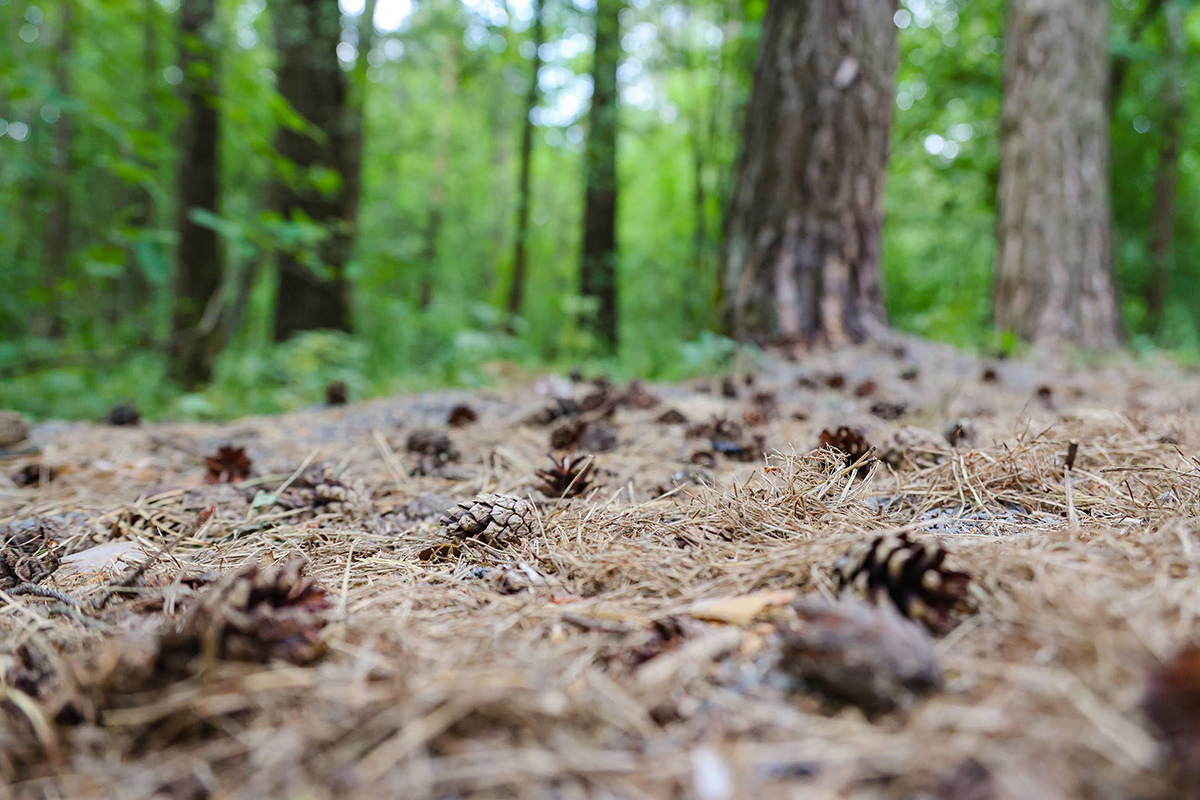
216 207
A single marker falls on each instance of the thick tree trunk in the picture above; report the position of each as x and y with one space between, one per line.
598 273
310 79
198 256
1166 173
516 288
801 260
1054 274
57 232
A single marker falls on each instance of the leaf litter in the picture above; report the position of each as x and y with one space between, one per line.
671 632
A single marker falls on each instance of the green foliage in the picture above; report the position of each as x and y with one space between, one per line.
443 92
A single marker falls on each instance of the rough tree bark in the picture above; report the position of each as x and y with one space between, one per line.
598 272
801 259
516 288
1054 274
1166 172
57 233
310 79
198 261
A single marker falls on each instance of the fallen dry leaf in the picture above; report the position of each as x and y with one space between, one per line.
740 610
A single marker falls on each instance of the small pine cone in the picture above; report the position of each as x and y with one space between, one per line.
257 614
914 576
322 490
490 518
912 447
28 556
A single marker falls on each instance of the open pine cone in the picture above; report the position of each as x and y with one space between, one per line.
490 518
570 476
257 614
28 556
913 575
324 490
229 464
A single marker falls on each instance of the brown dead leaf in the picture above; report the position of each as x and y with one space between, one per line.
743 609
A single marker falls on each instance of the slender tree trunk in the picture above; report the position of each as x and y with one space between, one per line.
1054 273
1166 173
440 167
516 289
198 257
355 139
598 271
57 231
310 79
134 291
801 260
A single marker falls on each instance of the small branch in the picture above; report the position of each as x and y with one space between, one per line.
136 572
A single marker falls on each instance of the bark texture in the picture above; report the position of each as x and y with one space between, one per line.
801 259
516 288
310 79
598 273
1054 273
198 260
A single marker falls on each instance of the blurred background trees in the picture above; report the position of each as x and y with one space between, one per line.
217 206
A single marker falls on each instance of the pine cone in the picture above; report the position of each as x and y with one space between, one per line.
324 490
490 518
27 556
913 575
912 447
229 464
258 614
569 477
846 440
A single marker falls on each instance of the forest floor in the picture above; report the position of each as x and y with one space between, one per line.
671 632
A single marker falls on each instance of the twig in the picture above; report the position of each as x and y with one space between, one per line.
136 572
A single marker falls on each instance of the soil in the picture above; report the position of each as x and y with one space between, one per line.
645 638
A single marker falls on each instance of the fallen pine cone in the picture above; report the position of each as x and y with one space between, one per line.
846 440
434 444
228 465
1172 705
913 576
123 414
461 415
324 490
28 556
259 614
570 476
852 652
337 393
492 518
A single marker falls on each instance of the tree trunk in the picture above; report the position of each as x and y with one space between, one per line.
1054 274
440 168
1166 173
58 220
310 79
801 259
198 256
355 138
516 289
598 273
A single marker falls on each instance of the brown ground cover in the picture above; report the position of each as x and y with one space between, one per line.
297 622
